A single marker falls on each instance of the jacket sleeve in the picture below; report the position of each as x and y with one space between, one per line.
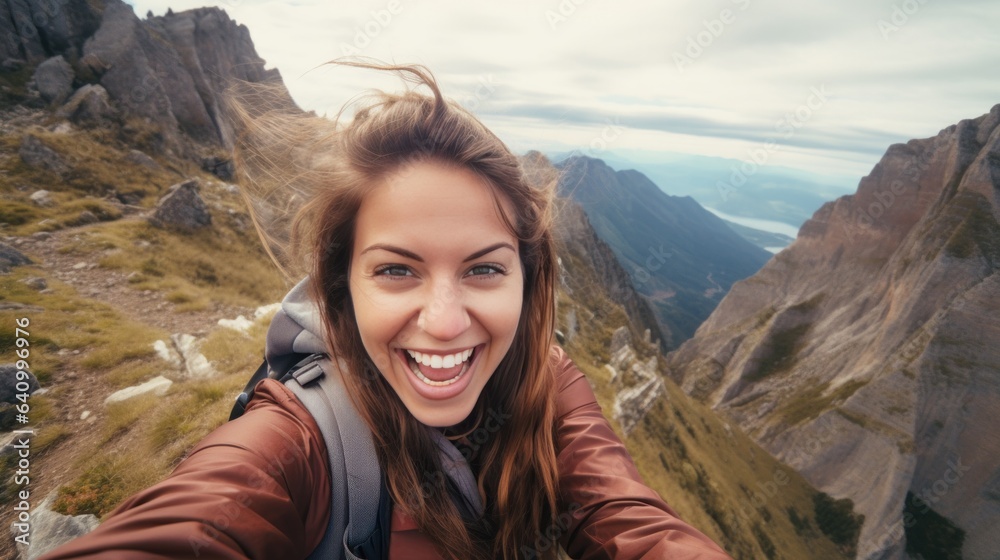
257 487
607 511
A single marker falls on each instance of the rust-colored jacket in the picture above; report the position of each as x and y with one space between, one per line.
259 487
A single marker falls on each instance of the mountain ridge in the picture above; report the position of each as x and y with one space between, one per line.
679 255
876 325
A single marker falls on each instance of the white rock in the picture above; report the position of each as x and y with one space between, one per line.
62 128
195 363
42 198
79 265
85 415
168 354
240 323
157 386
50 529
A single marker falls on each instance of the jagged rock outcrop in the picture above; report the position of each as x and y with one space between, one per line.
50 529
170 71
11 257
637 383
174 69
54 79
34 30
88 105
9 391
9 383
866 354
182 208
35 153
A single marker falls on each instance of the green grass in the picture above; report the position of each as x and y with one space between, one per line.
812 402
50 435
121 416
233 352
16 213
70 322
133 372
193 269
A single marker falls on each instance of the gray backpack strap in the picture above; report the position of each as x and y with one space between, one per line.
356 478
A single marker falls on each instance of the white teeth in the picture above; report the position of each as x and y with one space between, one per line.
437 361
416 371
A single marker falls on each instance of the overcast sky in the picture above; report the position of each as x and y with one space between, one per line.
831 84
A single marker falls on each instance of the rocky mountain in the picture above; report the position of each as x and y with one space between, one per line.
97 60
680 256
866 355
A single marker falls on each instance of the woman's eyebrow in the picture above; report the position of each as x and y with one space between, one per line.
411 255
489 249
393 249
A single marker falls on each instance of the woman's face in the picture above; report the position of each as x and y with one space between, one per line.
436 283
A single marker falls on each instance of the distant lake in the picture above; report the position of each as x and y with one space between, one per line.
763 225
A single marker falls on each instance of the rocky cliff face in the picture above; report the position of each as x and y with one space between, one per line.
866 355
169 71
33 30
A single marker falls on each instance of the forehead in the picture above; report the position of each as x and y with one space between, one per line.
429 201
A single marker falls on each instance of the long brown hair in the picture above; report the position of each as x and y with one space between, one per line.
321 170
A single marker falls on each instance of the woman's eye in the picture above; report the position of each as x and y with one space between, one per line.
393 271
487 270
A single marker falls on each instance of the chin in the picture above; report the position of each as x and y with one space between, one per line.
442 418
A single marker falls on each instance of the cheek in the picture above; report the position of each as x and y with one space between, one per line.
501 314
376 327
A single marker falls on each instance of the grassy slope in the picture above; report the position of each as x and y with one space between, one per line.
715 477
83 349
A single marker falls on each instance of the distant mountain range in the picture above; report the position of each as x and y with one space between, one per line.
764 192
680 256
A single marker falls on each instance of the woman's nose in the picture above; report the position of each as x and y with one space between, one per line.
444 316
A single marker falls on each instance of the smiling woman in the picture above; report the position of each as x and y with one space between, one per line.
436 311
429 300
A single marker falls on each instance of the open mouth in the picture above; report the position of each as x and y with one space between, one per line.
440 370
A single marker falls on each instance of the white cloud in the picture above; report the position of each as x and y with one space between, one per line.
558 80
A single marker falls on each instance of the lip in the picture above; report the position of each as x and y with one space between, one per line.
440 352
439 393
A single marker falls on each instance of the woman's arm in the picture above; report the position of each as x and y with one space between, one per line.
608 512
256 487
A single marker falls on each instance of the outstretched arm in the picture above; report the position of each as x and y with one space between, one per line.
254 488
608 512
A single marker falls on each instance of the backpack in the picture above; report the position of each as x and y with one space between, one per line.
359 523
